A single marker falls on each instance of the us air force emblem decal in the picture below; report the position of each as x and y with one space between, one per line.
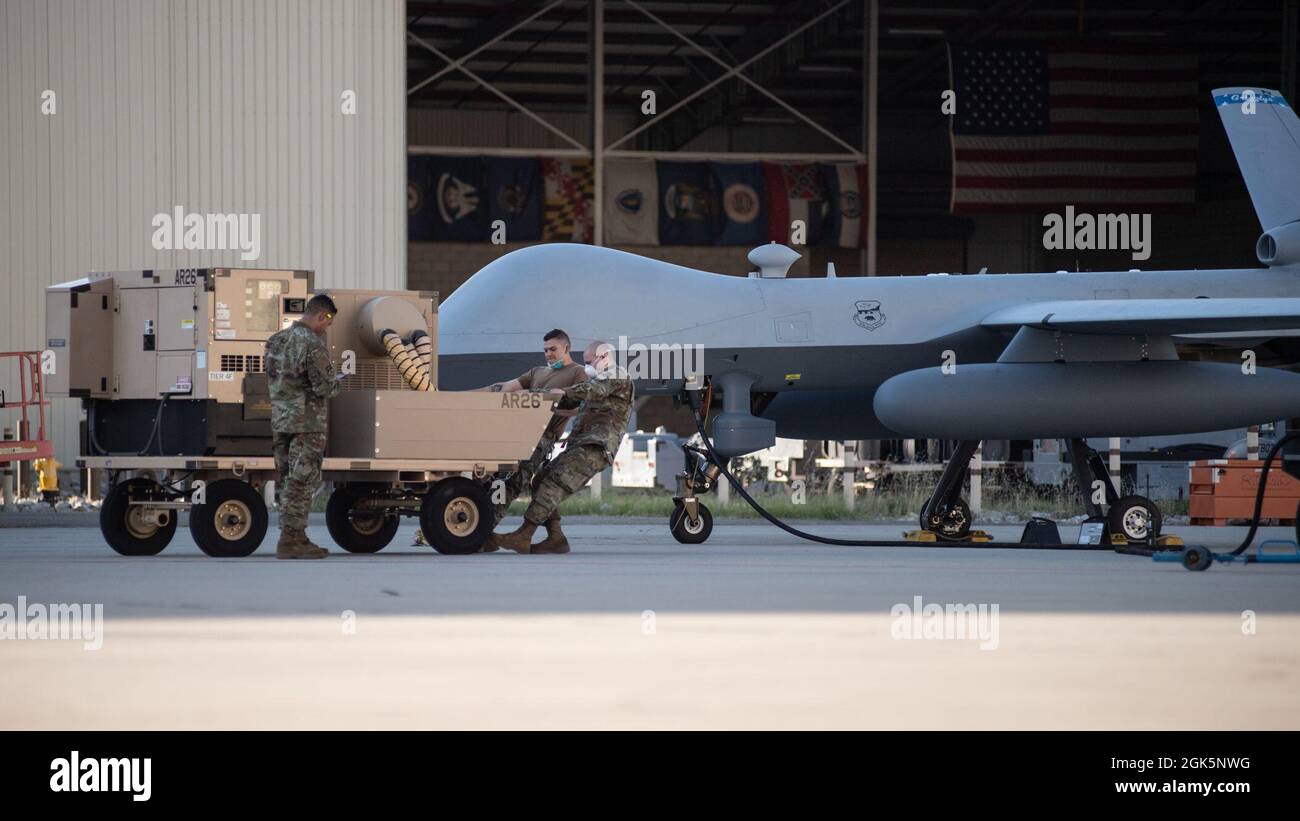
868 315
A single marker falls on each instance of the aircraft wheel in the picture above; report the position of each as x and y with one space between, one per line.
123 524
1136 518
358 531
949 522
231 522
1197 558
687 530
456 516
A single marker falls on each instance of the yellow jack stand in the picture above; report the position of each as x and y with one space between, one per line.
931 536
1118 540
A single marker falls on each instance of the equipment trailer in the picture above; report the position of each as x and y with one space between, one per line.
169 367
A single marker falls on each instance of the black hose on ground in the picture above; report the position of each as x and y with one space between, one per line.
1259 494
812 537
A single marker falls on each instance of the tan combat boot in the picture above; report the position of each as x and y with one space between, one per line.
521 540
294 544
492 544
554 541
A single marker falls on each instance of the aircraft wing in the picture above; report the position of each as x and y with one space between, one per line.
1162 316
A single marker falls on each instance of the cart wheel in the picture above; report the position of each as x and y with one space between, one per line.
231 521
1197 558
1136 518
687 530
123 525
357 531
456 516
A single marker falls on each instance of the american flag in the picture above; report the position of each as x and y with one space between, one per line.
1037 128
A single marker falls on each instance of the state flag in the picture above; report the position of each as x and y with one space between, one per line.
742 216
631 207
515 187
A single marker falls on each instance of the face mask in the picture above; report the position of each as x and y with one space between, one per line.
556 365
592 373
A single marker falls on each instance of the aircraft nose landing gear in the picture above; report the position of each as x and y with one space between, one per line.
691 522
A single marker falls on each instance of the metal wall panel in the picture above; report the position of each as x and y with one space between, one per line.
217 106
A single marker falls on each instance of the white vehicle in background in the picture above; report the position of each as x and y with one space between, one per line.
780 461
648 460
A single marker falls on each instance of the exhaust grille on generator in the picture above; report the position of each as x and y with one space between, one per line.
375 374
240 363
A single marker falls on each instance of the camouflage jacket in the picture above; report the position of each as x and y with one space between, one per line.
606 406
301 378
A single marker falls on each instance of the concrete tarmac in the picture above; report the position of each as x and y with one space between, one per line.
754 629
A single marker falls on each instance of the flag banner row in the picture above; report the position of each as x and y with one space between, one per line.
645 202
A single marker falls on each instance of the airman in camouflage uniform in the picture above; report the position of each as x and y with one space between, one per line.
302 379
602 420
560 371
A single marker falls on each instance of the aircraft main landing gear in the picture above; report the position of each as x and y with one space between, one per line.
1129 519
946 514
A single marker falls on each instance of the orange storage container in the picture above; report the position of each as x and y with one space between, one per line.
1223 490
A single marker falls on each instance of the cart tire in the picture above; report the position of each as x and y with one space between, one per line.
456 516
1197 558
362 533
124 532
231 522
688 531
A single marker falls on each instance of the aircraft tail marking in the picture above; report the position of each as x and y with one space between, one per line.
1265 137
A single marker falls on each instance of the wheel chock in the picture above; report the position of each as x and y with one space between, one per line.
978 536
1170 541
920 536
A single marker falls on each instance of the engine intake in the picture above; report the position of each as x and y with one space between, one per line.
1279 246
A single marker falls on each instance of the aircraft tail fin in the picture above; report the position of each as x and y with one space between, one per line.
1265 137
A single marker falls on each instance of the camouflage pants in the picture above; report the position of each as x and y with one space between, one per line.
522 478
565 475
297 467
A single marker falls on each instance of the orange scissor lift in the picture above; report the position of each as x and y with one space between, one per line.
31 402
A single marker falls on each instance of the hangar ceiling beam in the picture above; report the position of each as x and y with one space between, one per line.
936 56
464 58
772 67
735 71
498 92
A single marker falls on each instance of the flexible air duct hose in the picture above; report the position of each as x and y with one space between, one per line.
407 364
423 348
